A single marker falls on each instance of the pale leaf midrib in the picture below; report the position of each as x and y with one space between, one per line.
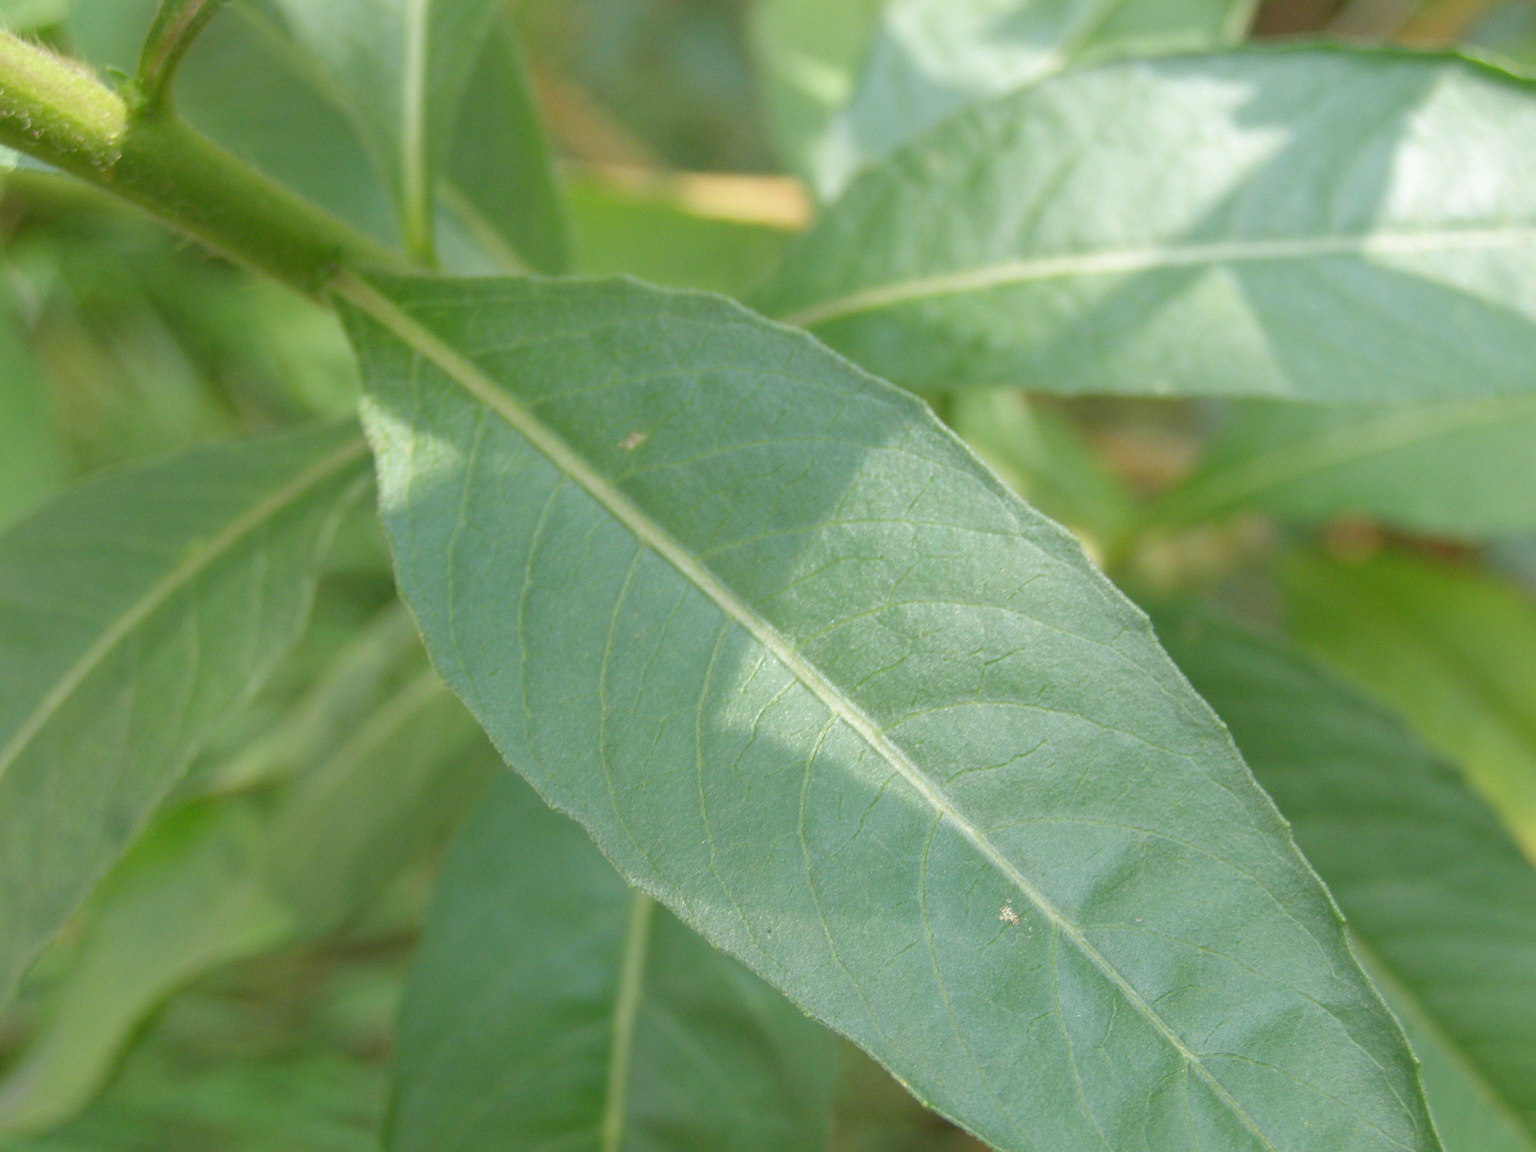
1337 447
1155 258
1384 974
482 388
197 561
415 182
626 1013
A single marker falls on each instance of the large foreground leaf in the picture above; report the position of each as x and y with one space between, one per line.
815 679
1317 223
1451 648
32 458
136 611
553 1006
1464 468
1440 899
930 58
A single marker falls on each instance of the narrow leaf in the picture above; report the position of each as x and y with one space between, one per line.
929 58
499 183
1315 223
551 1005
1464 468
1452 649
186 899
136 611
32 457
807 54
396 785
814 678
1437 894
401 68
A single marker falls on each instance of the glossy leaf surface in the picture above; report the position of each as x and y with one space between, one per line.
136 612
929 58
812 677
553 1006
1439 897
1318 224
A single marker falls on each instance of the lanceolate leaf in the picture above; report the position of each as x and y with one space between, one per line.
1314 223
815 679
396 785
136 611
1436 892
186 899
401 68
1451 648
1464 468
32 459
930 58
553 1006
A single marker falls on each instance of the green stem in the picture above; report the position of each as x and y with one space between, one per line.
59 113
177 24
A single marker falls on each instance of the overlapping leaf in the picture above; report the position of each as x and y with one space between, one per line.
929 58
1452 648
1318 223
1438 896
551 1005
1463 468
811 676
136 611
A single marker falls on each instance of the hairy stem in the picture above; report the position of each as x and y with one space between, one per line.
59 113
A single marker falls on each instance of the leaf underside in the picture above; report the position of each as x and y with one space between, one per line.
810 676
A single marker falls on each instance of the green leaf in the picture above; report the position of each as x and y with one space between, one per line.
32 457
814 678
186 899
393 787
551 1005
250 86
1449 647
500 185
927 59
1439 898
807 53
401 67
1465 468
1313 223
137 611
653 235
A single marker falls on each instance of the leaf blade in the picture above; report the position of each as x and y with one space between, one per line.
929 58
1433 885
74 670
680 1046
1138 228
644 573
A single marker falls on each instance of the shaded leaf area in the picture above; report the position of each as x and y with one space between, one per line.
188 897
282 1053
927 59
1452 649
139 609
279 102
553 1006
33 460
283 844
812 677
1312 223
1440 900
1463 469
807 54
